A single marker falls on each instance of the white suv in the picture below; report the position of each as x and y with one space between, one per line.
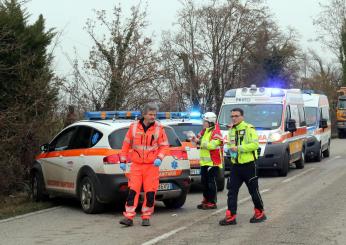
83 161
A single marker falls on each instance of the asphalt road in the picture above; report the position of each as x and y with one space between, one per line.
306 207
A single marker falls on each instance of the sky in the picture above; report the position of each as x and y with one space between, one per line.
69 18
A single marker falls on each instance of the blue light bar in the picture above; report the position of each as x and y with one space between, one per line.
172 115
276 92
108 115
195 114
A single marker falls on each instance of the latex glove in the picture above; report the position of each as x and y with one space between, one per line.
123 166
157 162
234 154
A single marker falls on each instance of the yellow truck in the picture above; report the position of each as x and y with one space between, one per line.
341 113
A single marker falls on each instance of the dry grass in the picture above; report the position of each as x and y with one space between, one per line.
20 203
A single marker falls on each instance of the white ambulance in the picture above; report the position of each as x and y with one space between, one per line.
278 116
319 125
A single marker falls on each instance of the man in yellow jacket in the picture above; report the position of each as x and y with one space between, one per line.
242 146
210 142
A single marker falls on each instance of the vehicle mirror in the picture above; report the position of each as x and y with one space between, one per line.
323 123
44 147
291 125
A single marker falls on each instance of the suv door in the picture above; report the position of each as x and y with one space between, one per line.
84 138
54 160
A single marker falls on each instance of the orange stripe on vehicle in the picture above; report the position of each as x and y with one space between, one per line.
170 173
62 184
78 152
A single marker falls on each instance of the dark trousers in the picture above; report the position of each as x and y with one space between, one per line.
243 173
208 180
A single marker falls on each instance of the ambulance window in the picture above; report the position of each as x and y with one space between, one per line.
173 139
311 116
116 138
62 141
301 116
325 113
295 114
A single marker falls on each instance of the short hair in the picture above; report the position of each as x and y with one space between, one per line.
150 107
240 110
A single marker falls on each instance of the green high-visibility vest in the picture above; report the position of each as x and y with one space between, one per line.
244 136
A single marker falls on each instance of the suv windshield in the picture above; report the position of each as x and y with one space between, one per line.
183 128
116 138
262 116
311 116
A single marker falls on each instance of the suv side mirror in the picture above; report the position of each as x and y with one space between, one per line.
323 123
44 147
291 125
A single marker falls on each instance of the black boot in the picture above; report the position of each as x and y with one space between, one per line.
145 222
126 222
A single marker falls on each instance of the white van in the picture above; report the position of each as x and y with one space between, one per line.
278 116
319 125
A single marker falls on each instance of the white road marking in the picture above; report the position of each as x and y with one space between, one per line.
168 234
30 214
298 175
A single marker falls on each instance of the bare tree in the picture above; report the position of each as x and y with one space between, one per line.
120 65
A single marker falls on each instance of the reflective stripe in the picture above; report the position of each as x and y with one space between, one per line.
127 140
143 147
161 156
134 129
130 211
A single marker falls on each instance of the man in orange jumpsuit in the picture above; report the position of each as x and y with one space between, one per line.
146 142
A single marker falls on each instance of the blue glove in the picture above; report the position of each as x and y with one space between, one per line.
123 166
234 154
157 162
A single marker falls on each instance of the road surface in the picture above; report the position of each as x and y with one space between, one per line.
306 207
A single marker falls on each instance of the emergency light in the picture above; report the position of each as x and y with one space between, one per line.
276 92
109 115
179 115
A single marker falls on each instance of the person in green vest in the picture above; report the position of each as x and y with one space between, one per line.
209 141
242 146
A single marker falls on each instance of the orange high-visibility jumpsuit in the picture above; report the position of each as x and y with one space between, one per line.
144 146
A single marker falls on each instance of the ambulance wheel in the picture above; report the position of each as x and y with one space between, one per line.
301 161
326 153
87 196
37 187
220 182
285 165
318 157
176 203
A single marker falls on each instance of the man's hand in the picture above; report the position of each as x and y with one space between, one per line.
157 162
234 149
123 166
